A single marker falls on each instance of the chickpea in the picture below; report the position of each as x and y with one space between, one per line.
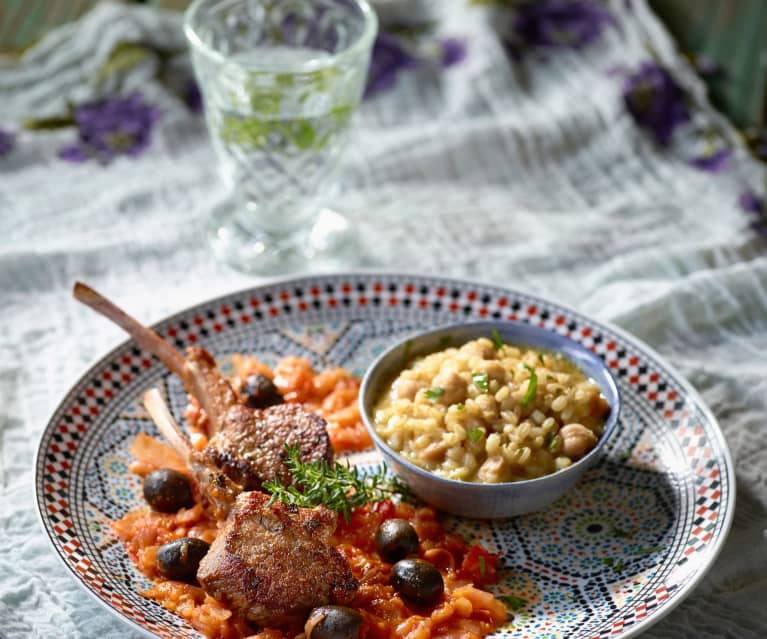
494 469
577 440
495 370
482 348
407 388
453 386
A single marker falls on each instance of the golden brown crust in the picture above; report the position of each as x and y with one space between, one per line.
250 449
274 564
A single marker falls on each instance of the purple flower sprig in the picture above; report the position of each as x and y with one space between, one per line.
560 24
715 161
655 101
756 206
7 142
391 56
111 127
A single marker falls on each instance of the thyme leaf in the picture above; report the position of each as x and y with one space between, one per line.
339 487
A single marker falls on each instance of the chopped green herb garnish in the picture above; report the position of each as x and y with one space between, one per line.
531 386
540 358
648 551
550 377
497 341
512 602
552 440
617 566
481 381
460 406
433 394
339 487
482 566
622 534
626 454
475 434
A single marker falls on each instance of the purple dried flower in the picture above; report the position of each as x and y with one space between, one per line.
388 59
192 96
655 101
453 51
751 203
111 127
756 206
7 142
715 162
560 23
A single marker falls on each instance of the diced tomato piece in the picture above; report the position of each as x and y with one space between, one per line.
480 566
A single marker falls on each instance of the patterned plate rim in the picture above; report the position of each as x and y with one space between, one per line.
708 559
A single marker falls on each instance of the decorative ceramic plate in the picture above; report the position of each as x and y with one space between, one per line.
612 556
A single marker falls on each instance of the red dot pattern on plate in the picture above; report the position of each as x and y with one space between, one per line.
294 300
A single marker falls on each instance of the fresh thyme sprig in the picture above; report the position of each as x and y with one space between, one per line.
339 487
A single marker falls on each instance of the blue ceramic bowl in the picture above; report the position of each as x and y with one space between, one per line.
470 499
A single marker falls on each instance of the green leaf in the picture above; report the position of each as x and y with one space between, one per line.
124 56
617 566
433 394
49 124
481 381
649 551
540 359
531 386
622 534
460 406
304 135
475 434
552 440
512 602
497 341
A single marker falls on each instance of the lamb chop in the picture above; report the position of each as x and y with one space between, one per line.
247 446
273 564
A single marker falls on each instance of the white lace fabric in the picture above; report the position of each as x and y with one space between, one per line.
530 176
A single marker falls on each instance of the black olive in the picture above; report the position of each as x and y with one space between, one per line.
333 622
258 391
417 581
180 559
396 539
168 490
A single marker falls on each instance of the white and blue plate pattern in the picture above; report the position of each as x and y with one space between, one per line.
613 555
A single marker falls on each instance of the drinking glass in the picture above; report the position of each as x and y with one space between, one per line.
280 80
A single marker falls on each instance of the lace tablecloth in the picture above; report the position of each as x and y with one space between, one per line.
530 175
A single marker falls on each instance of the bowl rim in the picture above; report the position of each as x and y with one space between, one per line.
575 468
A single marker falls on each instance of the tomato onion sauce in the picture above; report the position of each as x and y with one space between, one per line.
465 611
331 394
